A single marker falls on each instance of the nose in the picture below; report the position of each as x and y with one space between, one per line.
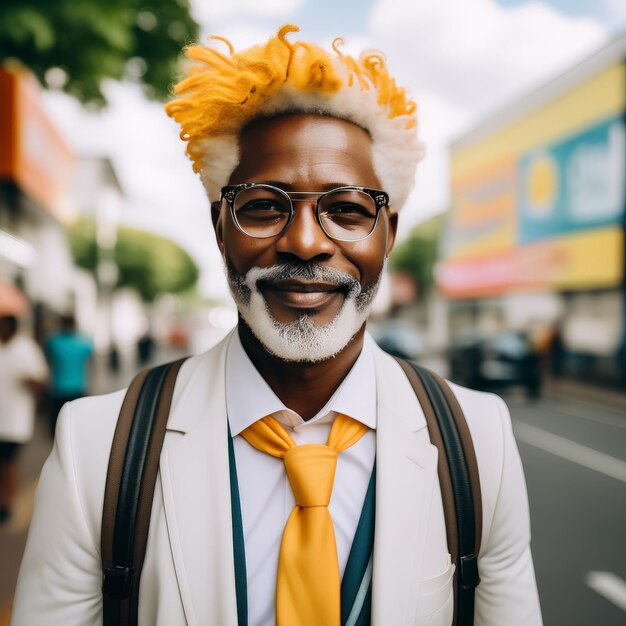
304 238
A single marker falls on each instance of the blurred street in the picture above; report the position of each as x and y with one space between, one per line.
574 456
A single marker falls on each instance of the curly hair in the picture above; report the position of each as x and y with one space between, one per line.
222 93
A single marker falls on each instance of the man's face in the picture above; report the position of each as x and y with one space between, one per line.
305 152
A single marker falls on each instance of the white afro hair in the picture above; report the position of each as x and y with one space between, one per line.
222 94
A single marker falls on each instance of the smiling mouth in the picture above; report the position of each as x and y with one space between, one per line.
302 294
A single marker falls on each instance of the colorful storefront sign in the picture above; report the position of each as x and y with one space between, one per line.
33 156
552 218
573 185
584 260
484 216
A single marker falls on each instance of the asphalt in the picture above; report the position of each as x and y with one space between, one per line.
574 455
579 390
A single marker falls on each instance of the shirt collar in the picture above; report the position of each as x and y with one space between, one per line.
249 397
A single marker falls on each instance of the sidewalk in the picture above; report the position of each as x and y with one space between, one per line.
13 534
577 390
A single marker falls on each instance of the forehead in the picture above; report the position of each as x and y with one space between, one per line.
305 150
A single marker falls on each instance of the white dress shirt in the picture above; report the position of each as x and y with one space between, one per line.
265 493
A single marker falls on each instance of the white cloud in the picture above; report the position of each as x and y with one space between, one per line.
210 13
439 120
462 60
241 35
478 53
615 9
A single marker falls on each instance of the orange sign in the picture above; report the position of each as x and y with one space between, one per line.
32 153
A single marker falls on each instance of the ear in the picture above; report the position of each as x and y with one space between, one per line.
393 229
216 212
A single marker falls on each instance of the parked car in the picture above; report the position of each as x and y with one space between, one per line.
496 362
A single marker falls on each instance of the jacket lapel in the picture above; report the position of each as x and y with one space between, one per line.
196 491
406 471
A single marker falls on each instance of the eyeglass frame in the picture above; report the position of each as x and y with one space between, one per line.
229 192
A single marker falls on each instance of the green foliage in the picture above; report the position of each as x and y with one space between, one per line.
417 254
146 262
91 40
82 236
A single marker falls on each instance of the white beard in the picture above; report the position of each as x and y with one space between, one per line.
302 340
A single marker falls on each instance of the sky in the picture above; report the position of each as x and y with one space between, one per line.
462 60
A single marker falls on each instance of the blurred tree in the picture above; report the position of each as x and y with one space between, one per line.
146 262
417 254
75 45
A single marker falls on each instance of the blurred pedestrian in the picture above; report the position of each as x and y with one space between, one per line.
557 352
68 353
145 349
23 376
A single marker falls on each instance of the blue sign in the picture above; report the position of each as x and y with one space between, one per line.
576 184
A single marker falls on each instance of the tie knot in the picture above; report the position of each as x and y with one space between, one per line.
311 472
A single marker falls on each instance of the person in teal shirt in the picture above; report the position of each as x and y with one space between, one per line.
68 354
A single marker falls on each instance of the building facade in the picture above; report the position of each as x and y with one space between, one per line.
36 168
534 238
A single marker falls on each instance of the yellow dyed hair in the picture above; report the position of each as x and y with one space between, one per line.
222 93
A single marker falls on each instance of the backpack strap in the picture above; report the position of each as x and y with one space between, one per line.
459 481
129 489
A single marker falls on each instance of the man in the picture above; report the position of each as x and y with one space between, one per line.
68 353
306 157
23 376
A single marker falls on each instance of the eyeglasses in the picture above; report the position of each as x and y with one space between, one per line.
344 213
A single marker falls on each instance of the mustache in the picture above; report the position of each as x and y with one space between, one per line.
244 285
307 271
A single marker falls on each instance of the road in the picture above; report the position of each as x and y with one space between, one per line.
574 456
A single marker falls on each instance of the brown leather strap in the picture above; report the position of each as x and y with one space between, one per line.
125 612
463 612
116 462
151 468
470 455
117 612
443 469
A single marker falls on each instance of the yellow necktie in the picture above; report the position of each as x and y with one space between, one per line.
308 586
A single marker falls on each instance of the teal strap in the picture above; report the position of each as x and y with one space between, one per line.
239 549
356 586
360 614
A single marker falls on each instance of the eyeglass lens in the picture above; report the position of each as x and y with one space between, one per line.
348 215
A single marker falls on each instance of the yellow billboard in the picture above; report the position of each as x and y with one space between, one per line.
540 202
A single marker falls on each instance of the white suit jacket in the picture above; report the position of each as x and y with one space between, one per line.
188 574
